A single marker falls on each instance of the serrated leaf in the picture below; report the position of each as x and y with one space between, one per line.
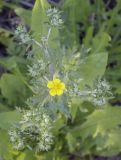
101 122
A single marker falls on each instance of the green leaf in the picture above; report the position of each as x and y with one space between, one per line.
88 38
76 103
8 153
40 26
39 18
71 142
24 14
13 88
4 145
76 11
102 129
39 22
59 123
101 122
5 37
110 145
26 155
9 118
6 150
4 108
94 66
8 63
100 42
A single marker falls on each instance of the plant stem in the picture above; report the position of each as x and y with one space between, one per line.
49 32
37 43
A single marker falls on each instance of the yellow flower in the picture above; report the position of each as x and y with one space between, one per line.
56 87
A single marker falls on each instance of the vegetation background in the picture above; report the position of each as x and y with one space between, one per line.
90 23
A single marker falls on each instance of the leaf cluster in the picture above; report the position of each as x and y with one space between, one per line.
86 47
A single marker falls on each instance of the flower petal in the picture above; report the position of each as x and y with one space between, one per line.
50 84
62 86
52 92
59 92
56 81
